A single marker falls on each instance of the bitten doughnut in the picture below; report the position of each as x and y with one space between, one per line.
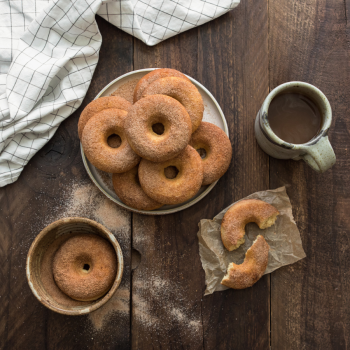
152 111
174 190
216 147
183 91
253 267
240 214
128 189
99 105
84 267
154 75
96 148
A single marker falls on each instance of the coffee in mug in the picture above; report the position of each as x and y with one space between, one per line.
293 123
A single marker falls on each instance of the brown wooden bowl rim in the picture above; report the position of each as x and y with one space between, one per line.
111 239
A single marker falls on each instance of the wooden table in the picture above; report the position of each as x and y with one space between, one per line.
239 57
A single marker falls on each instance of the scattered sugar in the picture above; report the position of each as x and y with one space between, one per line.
119 302
169 306
109 215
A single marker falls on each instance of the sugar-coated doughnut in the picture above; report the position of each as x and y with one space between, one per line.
128 189
152 76
240 214
176 190
217 151
99 105
153 110
183 91
250 271
85 266
96 148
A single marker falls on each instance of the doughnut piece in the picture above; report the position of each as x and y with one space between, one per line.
175 190
253 267
85 266
96 148
154 75
183 91
128 189
240 214
216 148
155 110
99 105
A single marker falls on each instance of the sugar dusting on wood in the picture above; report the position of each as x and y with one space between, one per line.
119 303
170 308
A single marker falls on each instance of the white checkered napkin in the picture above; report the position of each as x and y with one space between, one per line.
153 21
48 54
53 64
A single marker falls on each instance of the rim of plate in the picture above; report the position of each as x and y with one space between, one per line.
164 211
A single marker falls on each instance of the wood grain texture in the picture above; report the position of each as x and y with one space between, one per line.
310 299
167 284
233 65
39 197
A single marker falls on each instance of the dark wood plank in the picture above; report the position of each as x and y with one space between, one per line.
37 198
310 299
233 64
167 284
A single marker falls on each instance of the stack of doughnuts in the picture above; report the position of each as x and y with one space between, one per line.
158 149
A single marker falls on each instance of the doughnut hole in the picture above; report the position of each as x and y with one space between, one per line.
171 172
202 152
114 141
158 128
113 137
202 149
83 265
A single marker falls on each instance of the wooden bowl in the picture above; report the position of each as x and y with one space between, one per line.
62 230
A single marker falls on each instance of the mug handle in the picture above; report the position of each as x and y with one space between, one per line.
320 156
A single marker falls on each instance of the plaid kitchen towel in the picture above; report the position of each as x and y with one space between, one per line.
49 52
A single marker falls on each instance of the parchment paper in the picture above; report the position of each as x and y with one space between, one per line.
283 238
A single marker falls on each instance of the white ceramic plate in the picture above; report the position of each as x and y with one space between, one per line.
212 114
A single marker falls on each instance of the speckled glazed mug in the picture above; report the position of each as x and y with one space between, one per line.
318 152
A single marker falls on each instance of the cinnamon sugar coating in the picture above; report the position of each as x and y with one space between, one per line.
154 75
183 91
85 267
128 189
179 189
99 105
100 154
240 214
218 151
250 271
152 110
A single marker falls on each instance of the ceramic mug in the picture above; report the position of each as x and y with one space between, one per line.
318 152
